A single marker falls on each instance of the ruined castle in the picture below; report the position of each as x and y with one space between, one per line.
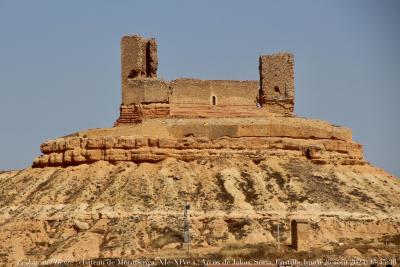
257 177
191 119
146 96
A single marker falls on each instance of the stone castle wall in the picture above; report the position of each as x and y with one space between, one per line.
190 91
229 93
145 91
144 96
154 98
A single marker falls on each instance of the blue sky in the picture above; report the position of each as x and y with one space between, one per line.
60 62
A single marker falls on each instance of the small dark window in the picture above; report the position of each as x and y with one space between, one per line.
276 89
214 100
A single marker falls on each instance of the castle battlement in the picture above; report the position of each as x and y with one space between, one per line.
144 96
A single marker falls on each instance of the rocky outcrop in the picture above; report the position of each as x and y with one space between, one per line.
79 150
189 140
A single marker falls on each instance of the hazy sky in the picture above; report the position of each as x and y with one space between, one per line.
60 62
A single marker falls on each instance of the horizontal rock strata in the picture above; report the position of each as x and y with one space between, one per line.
79 150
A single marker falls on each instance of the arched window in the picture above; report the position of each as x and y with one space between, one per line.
213 100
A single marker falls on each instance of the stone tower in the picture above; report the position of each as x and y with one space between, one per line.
138 58
277 83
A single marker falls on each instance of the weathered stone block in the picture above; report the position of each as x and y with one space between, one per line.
56 159
68 157
78 155
167 143
44 160
52 146
142 141
94 155
153 142
144 90
46 147
73 142
126 142
117 155
94 143
61 145
224 92
41 161
108 142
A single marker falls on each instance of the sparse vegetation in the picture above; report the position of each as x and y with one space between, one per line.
222 194
236 227
248 189
391 239
363 197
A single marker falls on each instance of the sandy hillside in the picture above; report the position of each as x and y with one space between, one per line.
129 210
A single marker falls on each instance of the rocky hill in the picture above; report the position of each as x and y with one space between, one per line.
121 207
233 150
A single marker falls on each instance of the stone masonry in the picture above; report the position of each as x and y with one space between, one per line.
277 82
138 58
144 96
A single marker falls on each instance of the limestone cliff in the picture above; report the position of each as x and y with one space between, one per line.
190 139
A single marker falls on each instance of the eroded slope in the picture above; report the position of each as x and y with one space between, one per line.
128 209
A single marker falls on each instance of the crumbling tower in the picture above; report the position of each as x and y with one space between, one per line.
138 57
277 83
139 63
